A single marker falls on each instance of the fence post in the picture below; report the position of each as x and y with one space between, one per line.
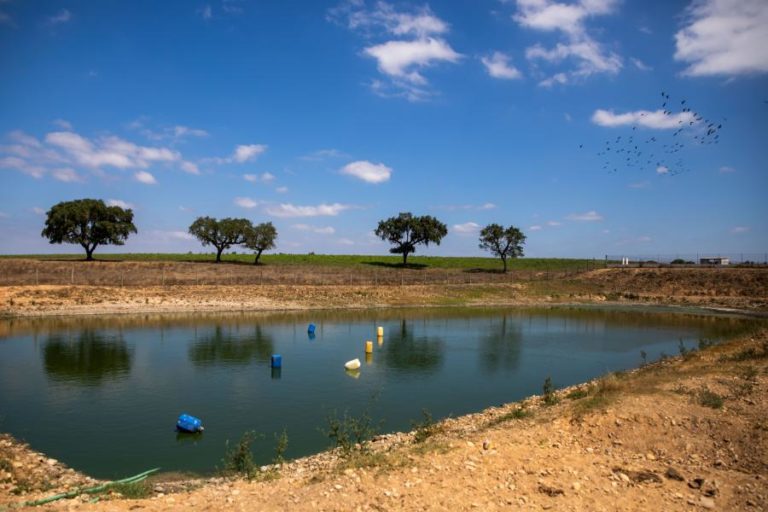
72 275
37 276
163 279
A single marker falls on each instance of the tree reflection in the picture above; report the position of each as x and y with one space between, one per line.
222 347
500 348
87 359
406 352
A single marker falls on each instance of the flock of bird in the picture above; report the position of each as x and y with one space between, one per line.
661 152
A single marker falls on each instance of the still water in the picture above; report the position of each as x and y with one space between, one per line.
102 395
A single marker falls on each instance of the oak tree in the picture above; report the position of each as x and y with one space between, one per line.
504 243
406 231
222 234
260 238
88 222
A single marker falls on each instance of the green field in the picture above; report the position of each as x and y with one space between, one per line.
333 260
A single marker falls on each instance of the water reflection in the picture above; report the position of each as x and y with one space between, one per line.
406 352
223 346
86 359
501 347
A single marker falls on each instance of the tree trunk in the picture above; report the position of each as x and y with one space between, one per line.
218 254
258 255
89 253
405 258
505 264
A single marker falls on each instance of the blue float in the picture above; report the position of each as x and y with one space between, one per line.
277 361
311 329
187 423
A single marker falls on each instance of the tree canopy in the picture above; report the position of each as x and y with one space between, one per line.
406 231
504 243
88 222
222 234
260 238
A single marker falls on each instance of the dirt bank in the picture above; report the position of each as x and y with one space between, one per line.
730 288
684 434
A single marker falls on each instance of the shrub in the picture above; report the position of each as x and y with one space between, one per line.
425 428
239 459
550 398
709 399
349 432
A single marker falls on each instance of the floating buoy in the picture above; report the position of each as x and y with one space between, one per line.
352 365
369 347
311 328
187 423
277 361
368 358
380 331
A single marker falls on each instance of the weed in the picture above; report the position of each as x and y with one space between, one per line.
550 398
135 491
518 413
349 432
750 373
709 399
239 459
705 343
749 354
425 428
281 445
577 394
644 357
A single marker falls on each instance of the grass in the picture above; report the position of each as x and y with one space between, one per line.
710 399
340 260
239 459
518 413
350 433
133 491
550 397
425 428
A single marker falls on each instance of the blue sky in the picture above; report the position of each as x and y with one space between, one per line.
325 117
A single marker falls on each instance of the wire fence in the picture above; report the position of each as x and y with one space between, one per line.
702 259
30 272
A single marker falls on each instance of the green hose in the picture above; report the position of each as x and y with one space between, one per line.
91 490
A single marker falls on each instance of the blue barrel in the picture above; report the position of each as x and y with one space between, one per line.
311 328
188 423
277 361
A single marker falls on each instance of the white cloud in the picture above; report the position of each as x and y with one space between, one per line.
189 167
498 66
345 241
419 44
724 37
662 169
206 12
384 17
327 230
737 230
486 206
367 171
19 164
281 190
38 211
62 16
535 227
63 124
119 202
145 177
109 151
67 175
642 66
656 120
589 216
639 184
248 152
401 59
290 210
466 228
588 55
175 133
323 154
246 202
727 170
554 223
264 177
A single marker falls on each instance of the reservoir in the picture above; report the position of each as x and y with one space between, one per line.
102 394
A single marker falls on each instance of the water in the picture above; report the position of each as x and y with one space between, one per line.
103 394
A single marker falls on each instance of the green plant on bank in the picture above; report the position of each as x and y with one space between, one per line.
281 445
425 428
577 394
600 394
644 357
708 398
748 354
518 413
550 398
133 491
239 458
349 432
